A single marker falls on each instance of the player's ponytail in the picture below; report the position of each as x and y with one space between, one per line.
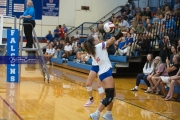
89 46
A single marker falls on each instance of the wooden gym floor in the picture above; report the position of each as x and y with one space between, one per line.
64 97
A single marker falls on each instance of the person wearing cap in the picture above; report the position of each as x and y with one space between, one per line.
140 28
123 24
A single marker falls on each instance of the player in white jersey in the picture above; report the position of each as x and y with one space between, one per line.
97 49
92 75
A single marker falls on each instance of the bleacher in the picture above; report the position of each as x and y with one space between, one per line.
86 67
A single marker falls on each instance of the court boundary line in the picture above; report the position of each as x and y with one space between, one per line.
144 108
12 109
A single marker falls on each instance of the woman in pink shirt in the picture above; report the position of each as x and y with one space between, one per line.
159 70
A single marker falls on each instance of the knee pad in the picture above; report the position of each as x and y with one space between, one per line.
89 88
101 90
109 96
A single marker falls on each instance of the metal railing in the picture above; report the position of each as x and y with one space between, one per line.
157 35
105 18
84 28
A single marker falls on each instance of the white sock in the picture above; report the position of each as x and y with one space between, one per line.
149 88
136 87
108 112
98 112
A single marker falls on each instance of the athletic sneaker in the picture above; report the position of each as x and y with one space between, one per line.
94 116
88 103
107 116
48 63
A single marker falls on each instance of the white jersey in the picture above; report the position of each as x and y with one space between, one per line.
102 58
50 51
94 63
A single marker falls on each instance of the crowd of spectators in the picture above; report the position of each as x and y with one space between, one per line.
142 31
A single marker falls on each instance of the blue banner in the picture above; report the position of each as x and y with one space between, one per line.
51 7
12 50
20 59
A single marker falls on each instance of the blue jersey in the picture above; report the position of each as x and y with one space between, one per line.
49 37
29 11
56 35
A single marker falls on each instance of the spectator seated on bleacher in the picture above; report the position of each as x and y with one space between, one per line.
120 43
174 80
115 21
139 12
170 25
131 15
174 52
172 70
140 28
92 32
116 30
126 48
49 53
165 5
56 33
147 70
66 38
76 49
81 54
148 13
157 15
102 32
77 35
46 46
177 5
165 48
167 11
178 47
123 24
67 51
59 46
49 36
159 70
112 17
75 43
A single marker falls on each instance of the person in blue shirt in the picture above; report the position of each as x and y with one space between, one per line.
65 28
126 48
170 24
49 36
29 20
56 33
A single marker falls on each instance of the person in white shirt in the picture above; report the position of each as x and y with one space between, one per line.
98 51
77 35
147 70
67 50
50 51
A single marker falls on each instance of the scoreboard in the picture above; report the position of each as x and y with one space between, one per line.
17 8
